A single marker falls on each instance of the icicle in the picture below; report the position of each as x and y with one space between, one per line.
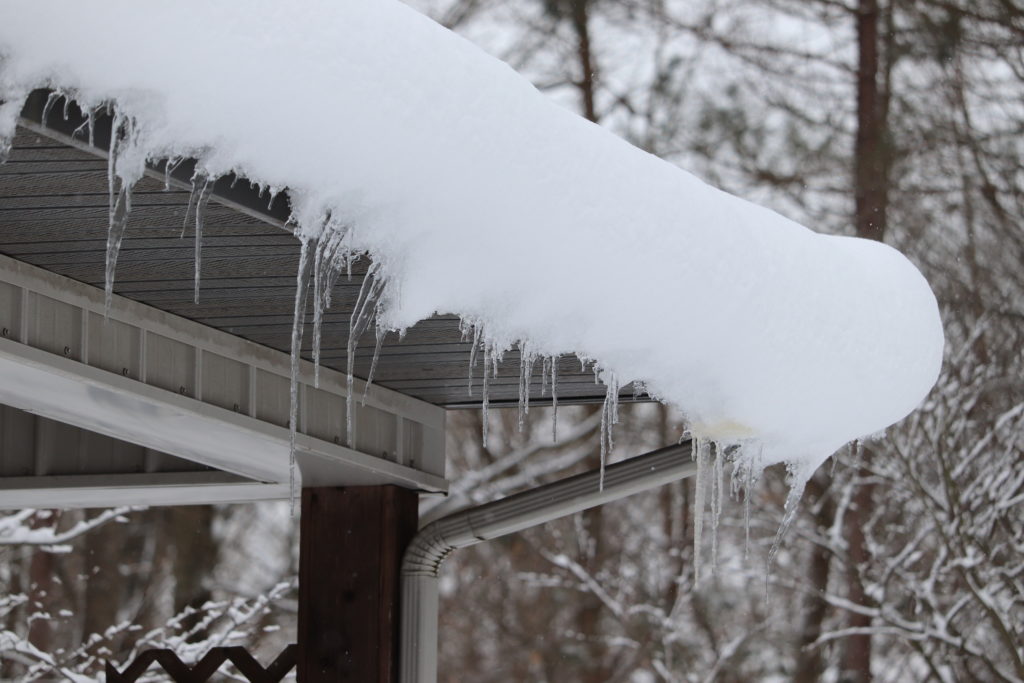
115 130
366 304
298 323
202 190
748 487
80 129
119 211
609 418
486 391
87 126
318 306
10 108
717 486
798 476
329 254
321 269
523 394
545 368
526 360
51 99
90 119
554 400
381 333
477 329
119 200
701 454
6 141
170 166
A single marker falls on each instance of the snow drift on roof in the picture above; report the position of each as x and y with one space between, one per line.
475 195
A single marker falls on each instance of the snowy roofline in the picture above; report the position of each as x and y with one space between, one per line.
763 333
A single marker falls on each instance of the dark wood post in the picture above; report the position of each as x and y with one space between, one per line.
350 554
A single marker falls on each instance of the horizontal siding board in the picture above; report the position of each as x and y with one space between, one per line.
42 166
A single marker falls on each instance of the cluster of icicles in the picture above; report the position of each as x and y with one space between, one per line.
325 255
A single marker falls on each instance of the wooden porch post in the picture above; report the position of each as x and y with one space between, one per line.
350 554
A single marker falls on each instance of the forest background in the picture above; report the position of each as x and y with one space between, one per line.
898 120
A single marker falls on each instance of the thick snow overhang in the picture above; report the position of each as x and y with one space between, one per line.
478 198
176 402
54 215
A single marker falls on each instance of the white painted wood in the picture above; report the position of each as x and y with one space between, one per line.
169 488
63 389
189 333
169 384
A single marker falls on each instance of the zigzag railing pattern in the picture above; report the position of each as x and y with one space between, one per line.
202 670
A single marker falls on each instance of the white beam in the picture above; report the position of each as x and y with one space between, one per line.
105 490
64 389
141 375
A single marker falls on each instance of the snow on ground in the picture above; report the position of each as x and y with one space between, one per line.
475 195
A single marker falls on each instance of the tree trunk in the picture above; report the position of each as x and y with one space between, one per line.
870 160
871 180
809 663
586 86
588 616
104 590
190 531
41 585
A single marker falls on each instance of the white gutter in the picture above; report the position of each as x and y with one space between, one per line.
433 544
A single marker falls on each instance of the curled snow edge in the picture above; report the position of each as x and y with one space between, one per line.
475 195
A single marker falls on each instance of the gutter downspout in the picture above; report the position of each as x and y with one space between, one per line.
432 545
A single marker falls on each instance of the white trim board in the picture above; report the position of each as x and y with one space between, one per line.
169 488
172 385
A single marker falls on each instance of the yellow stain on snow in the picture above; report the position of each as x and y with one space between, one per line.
722 430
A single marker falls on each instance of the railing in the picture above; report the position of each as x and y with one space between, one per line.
206 667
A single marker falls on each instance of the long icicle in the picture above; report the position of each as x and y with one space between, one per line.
121 207
609 418
380 332
700 449
298 323
205 191
318 312
119 202
526 360
554 399
717 492
51 100
90 117
486 391
798 477
330 260
749 478
366 304
477 331
10 107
